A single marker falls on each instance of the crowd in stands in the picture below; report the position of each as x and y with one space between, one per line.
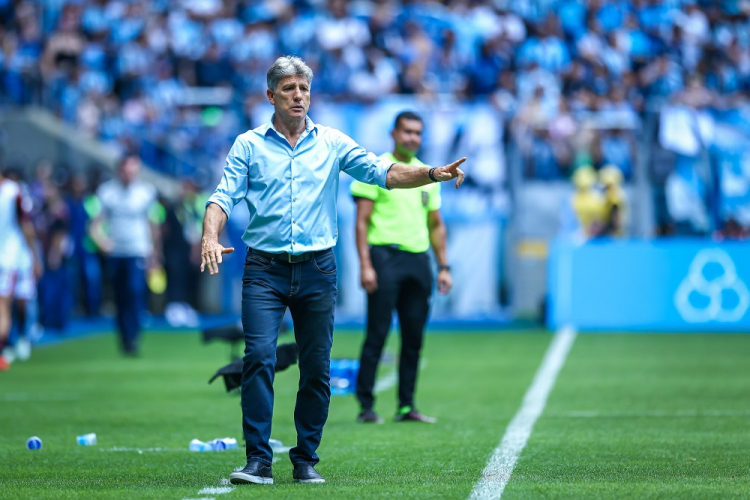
573 80
127 70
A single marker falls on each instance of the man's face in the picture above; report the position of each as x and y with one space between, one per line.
129 170
291 97
408 137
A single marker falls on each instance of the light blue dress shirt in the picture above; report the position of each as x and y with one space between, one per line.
291 192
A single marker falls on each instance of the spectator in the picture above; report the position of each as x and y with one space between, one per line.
131 243
587 203
615 210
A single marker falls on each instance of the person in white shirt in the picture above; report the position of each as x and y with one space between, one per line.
18 234
129 244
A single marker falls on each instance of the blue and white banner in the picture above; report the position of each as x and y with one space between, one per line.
662 285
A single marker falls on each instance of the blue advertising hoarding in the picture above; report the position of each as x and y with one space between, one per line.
660 285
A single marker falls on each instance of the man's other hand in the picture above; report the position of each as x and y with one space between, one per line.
211 255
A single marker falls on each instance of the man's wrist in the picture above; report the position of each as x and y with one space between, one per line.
431 174
444 267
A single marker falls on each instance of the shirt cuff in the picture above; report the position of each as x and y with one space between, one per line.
222 202
384 179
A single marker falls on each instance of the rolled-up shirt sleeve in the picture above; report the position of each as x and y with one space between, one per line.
234 183
357 162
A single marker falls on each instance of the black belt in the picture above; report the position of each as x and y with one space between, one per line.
286 257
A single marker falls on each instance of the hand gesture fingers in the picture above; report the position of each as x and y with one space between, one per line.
451 171
461 176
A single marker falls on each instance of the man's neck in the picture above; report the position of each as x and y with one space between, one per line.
291 128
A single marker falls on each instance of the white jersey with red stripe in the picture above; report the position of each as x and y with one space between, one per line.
12 209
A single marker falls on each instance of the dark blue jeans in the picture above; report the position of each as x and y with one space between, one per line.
128 277
309 291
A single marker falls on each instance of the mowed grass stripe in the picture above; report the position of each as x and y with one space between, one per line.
473 383
629 451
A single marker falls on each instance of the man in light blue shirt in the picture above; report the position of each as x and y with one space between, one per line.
287 172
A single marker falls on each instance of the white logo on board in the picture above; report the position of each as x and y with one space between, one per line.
697 283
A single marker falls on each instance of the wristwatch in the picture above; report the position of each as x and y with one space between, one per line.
444 268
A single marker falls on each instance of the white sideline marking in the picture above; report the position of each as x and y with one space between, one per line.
386 382
496 474
215 490
652 413
224 482
141 450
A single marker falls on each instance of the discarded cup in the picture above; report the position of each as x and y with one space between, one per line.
86 439
275 443
218 444
34 443
231 443
198 445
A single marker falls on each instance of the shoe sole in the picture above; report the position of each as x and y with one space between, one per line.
310 481
242 478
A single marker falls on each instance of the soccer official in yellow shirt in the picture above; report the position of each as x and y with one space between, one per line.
394 231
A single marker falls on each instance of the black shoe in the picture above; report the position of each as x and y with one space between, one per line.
369 417
306 473
254 473
409 414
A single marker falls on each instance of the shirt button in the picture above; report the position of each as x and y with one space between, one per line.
294 221
294 199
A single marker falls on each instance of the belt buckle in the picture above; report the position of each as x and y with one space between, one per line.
289 258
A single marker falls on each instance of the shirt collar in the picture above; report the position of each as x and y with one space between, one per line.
309 125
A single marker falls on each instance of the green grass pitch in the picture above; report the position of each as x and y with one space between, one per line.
630 416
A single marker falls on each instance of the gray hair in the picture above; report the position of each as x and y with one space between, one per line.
287 66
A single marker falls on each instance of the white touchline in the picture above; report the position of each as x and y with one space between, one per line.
391 379
386 382
500 465
215 490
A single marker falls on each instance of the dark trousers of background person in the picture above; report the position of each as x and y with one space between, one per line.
55 298
309 290
86 278
128 278
404 284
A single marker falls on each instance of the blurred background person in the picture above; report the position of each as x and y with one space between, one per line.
86 270
18 239
587 203
181 234
131 243
615 209
394 231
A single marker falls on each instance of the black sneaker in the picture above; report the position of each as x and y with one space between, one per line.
254 473
409 414
369 417
306 473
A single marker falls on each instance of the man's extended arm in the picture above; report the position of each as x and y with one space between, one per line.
368 276
438 242
367 168
211 249
404 176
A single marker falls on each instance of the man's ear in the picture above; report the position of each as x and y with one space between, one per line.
269 94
